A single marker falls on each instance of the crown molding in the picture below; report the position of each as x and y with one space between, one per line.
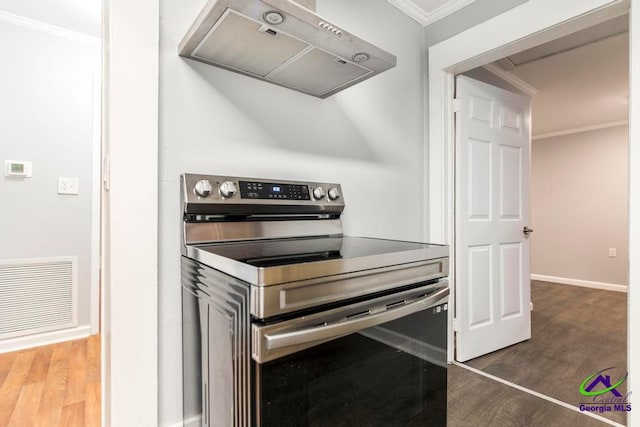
32 24
570 131
427 18
511 78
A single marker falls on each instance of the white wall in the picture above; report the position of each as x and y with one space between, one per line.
369 138
130 207
579 199
46 118
633 356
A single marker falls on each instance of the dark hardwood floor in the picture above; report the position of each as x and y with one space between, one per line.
474 400
575 332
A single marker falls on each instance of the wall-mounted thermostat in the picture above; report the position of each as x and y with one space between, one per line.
17 168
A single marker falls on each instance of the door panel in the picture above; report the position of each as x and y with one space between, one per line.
510 182
492 208
479 180
480 285
511 268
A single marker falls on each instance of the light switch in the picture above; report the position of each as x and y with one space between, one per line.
613 253
68 186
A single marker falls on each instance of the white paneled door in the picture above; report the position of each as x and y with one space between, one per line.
493 136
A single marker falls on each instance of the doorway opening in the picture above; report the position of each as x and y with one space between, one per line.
444 65
579 196
51 83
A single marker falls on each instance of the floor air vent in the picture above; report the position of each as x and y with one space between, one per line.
37 295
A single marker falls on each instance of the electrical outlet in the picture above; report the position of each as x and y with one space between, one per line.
613 252
68 186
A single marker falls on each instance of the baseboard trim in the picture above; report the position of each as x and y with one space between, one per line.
579 282
189 422
46 338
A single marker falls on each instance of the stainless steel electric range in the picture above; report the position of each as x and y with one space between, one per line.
287 322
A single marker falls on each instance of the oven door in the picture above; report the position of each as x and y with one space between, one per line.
380 362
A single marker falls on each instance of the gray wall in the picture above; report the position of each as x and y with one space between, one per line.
46 118
370 138
579 200
465 18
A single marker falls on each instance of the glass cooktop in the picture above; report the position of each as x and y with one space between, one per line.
297 259
272 253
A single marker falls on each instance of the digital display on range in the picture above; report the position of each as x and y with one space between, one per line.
266 190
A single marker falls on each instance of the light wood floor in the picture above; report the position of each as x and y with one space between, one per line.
55 385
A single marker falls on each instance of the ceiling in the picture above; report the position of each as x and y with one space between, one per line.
81 16
428 11
579 87
589 35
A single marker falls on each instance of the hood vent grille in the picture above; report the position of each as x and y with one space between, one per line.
302 51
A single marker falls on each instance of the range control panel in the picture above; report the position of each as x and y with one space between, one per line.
273 190
215 193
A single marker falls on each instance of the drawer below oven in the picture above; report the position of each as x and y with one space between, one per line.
278 339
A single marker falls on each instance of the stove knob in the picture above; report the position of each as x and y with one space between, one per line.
203 188
228 189
333 194
318 193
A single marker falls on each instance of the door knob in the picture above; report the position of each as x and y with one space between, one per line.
526 230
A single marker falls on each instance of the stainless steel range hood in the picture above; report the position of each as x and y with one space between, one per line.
282 42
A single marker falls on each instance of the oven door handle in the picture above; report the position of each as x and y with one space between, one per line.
345 327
